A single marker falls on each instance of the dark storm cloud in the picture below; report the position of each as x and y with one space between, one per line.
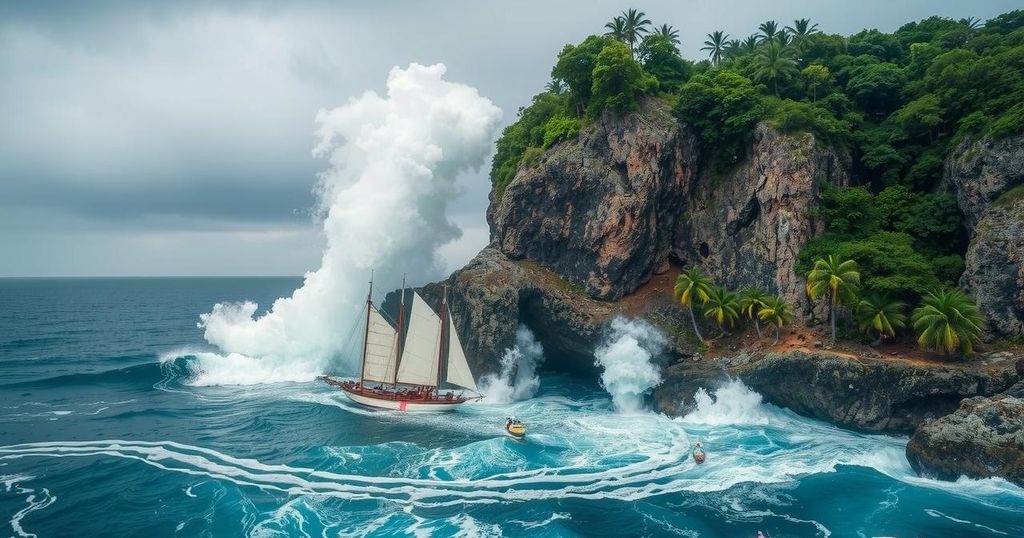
162 117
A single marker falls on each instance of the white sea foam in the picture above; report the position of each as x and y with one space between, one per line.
393 161
625 359
733 403
518 378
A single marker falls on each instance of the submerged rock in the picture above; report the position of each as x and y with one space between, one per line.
981 439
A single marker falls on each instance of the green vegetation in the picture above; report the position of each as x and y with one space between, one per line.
880 314
948 321
751 302
723 306
836 278
775 311
690 285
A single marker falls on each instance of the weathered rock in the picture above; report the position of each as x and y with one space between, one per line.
862 393
599 210
979 171
747 229
994 266
492 294
983 438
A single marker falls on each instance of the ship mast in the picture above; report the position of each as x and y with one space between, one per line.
442 351
366 334
398 335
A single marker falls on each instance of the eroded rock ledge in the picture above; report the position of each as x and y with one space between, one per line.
984 437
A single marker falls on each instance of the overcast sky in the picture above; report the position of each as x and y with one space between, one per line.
176 140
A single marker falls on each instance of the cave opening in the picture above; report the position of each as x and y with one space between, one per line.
564 351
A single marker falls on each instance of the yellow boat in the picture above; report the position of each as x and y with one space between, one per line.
515 427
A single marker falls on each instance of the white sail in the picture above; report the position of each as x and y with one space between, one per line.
458 369
422 345
379 362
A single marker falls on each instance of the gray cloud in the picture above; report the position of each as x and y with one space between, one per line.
135 124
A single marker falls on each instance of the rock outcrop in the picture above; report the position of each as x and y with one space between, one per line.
994 266
747 229
984 437
871 394
980 171
599 210
988 179
605 211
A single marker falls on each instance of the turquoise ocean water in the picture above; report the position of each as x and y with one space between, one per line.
102 434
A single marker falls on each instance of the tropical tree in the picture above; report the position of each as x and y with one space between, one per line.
636 23
802 28
555 86
783 38
775 311
948 321
733 49
750 43
815 77
723 306
767 30
971 22
668 32
837 278
774 62
751 301
616 29
715 45
880 314
690 285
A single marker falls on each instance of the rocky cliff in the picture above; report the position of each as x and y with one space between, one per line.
988 179
609 209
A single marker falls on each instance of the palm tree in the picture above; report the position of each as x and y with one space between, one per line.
636 23
669 33
616 29
556 86
972 23
723 306
751 301
715 45
692 284
777 312
839 277
880 314
948 321
783 38
774 62
733 49
750 43
802 28
768 30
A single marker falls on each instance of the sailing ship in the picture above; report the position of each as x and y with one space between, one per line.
408 374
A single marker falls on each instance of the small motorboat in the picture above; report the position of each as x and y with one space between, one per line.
515 427
698 452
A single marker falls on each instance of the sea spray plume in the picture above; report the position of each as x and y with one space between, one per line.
625 358
393 163
517 379
733 403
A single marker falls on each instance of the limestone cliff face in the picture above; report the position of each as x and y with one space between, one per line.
982 173
979 171
606 211
600 210
748 228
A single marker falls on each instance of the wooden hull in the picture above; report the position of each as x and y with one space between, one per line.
395 401
418 406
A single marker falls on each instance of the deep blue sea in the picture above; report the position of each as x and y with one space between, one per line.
102 434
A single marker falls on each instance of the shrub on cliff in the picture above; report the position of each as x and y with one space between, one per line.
618 81
722 107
